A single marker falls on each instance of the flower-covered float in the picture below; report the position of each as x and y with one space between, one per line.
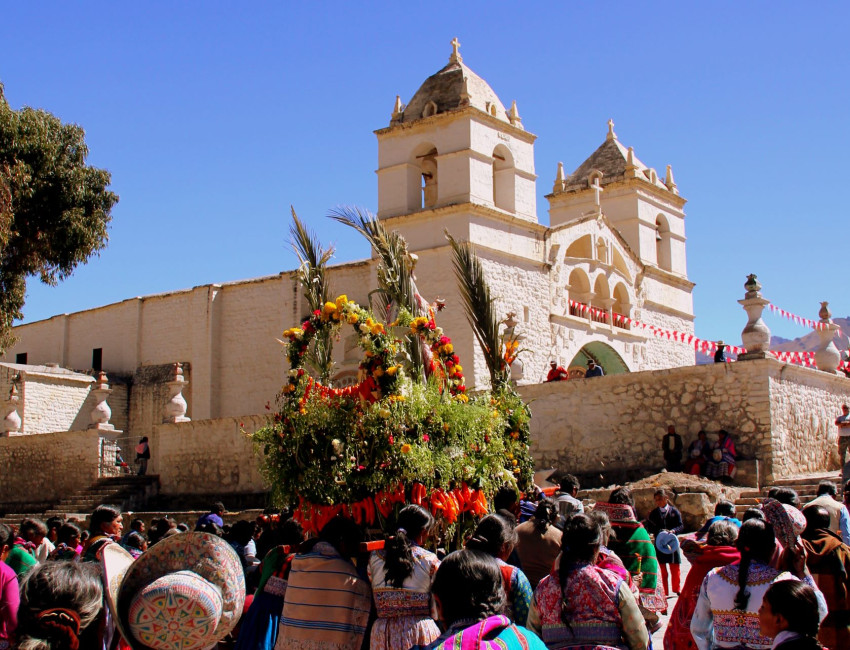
405 433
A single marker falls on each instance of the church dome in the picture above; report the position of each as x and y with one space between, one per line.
453 87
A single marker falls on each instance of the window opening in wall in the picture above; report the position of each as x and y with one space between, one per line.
97 359
21 357
525 314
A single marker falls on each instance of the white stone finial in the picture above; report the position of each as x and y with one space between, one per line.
464 92
101 412
175 409
12 421
398 109
669 181
513 115
631 167
827 356
560 181
611 135
455 57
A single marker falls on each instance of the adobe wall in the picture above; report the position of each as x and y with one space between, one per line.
779 414
206 456
49 466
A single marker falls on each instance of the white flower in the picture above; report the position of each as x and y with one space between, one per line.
364 328
293 372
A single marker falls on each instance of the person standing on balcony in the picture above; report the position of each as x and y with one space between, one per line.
593 370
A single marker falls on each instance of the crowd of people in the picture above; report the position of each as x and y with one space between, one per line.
715 460
543 572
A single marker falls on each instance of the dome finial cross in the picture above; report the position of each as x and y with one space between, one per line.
455 57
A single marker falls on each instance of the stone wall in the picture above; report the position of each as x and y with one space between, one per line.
609 428
206 456
47 467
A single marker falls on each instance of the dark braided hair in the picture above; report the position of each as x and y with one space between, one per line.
580 543
398 559
491 535
545 515
756 541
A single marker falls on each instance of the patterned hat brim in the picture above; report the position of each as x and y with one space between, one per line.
208 555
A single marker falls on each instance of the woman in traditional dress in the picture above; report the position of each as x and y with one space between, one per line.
721 462
496 536
726 615
607 558
67 542
401 576
9 591
718 550
105 526
698 451
258 629
469 596
634 547
582 605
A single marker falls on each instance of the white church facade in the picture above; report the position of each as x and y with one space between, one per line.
452 159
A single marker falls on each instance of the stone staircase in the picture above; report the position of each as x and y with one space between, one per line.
128 492
805 486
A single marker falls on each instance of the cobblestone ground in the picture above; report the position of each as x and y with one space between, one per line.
658 637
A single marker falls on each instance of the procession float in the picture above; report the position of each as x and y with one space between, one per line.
408 431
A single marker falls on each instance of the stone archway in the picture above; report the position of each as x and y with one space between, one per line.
603 354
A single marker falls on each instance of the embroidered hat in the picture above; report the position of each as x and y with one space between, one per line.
186 592
616 511
787 521
667 542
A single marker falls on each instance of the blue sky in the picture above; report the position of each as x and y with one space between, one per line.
214 117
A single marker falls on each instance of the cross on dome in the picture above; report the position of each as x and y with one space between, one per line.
455 57
611 135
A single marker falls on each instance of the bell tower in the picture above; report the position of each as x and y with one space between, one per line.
455 143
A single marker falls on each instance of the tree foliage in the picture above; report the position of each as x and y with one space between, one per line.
54 209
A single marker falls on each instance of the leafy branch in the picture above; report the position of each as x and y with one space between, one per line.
312 275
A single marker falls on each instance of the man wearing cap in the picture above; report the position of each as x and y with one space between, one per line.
556 372
593 370
667 518
843 424
720 355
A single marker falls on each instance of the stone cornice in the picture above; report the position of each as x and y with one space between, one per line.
473 208
429 123
667 277
667 309
641 184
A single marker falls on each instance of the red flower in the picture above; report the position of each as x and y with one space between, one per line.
444 340
425 437
392 440
455 358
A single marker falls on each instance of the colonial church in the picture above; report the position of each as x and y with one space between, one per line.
454 159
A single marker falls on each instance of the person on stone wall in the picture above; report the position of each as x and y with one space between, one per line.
697 452
672 446
720 354
556 372
143 455
843 424
594 370
721 463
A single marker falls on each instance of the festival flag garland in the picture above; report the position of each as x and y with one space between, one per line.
702 345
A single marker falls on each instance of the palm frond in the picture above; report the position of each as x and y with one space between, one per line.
315 284
479 308
396 284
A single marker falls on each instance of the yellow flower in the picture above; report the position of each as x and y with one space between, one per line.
352 318
405 448
445 426
329 311
377 328
448 348
392 370
341 301
514 462
458 369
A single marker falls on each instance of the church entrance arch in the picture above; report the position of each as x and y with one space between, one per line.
603 354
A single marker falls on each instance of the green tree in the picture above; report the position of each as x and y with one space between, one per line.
54 209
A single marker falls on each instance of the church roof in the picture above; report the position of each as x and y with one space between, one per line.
453 87
613 160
